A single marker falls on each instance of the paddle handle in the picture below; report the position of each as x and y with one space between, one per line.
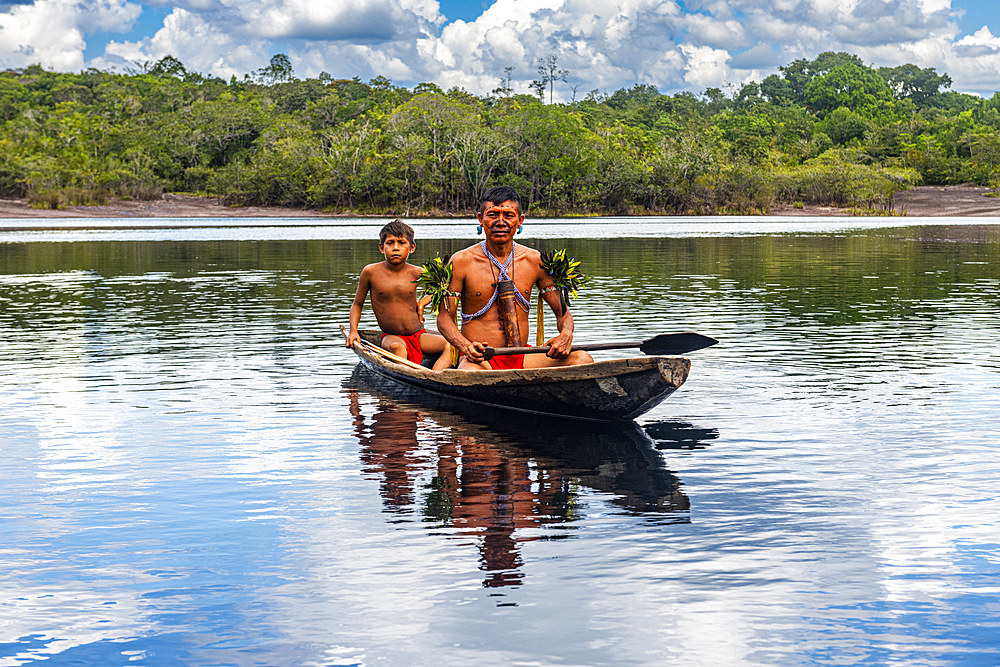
542 349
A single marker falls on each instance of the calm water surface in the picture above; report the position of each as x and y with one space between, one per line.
194 472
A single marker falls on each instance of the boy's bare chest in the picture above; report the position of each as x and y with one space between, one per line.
398 287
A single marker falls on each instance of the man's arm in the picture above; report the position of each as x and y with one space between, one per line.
562 343
364 284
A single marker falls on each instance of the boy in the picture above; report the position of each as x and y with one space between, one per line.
394 300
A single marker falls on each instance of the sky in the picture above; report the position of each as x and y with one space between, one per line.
604 45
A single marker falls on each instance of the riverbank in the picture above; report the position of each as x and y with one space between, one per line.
923 201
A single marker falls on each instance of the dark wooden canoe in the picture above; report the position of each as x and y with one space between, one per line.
618 390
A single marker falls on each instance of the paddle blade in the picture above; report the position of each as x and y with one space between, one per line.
678 343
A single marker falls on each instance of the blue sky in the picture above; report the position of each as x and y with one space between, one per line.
977 14
605 44
467 11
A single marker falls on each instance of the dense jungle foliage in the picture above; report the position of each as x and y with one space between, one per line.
827 131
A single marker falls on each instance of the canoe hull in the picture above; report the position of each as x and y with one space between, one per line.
604 391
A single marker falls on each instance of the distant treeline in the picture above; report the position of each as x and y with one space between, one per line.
827 131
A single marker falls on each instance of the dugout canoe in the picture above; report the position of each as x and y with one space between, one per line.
605 391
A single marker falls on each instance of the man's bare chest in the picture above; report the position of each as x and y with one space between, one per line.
482 287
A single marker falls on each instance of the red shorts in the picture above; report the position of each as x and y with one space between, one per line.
413 351
503 362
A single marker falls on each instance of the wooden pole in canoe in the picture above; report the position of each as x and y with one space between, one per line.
507 312
540 322
386 354
450 349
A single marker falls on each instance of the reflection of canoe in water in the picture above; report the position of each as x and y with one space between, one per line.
618 390
619 459
499 483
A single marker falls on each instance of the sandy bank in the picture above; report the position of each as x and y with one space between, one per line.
924 201
171 206
952 201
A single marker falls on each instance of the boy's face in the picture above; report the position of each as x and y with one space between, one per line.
396 249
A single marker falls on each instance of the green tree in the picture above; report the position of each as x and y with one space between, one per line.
909 82
850 85
748 96
505 89
842 125
169 66
800 73
748 136
715 100
278 71
777 90
548 73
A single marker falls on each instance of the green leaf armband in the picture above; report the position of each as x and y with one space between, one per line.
435 279
565 274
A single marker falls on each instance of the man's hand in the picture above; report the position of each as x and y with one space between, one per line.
474 351
560 346
352 338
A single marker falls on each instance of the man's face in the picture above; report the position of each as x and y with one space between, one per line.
396 249
501 221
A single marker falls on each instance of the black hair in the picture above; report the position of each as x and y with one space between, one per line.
499 195
396 228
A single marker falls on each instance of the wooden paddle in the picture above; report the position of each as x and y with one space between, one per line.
385 354
664 344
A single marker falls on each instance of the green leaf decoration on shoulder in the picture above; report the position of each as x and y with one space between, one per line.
435 279
565 272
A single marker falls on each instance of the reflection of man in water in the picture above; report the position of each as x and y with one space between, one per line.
493 496
477 488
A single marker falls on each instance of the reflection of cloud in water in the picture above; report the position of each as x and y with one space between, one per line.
72 457
503 482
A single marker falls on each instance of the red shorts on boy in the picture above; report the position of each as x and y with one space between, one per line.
413 351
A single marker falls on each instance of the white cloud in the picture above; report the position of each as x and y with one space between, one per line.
346 38
201 45
51 32
605 44
705 66
982 42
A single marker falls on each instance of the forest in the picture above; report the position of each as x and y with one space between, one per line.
829 131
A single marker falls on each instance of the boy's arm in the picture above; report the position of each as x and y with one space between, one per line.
422 304
364 283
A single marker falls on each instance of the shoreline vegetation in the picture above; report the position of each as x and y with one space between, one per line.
829 136
921 201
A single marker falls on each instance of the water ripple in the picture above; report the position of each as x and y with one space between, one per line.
194 472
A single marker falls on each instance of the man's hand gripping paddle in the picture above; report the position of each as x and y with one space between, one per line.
662 345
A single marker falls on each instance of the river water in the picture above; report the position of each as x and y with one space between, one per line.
194 472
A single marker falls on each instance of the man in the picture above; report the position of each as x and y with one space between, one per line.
475 274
